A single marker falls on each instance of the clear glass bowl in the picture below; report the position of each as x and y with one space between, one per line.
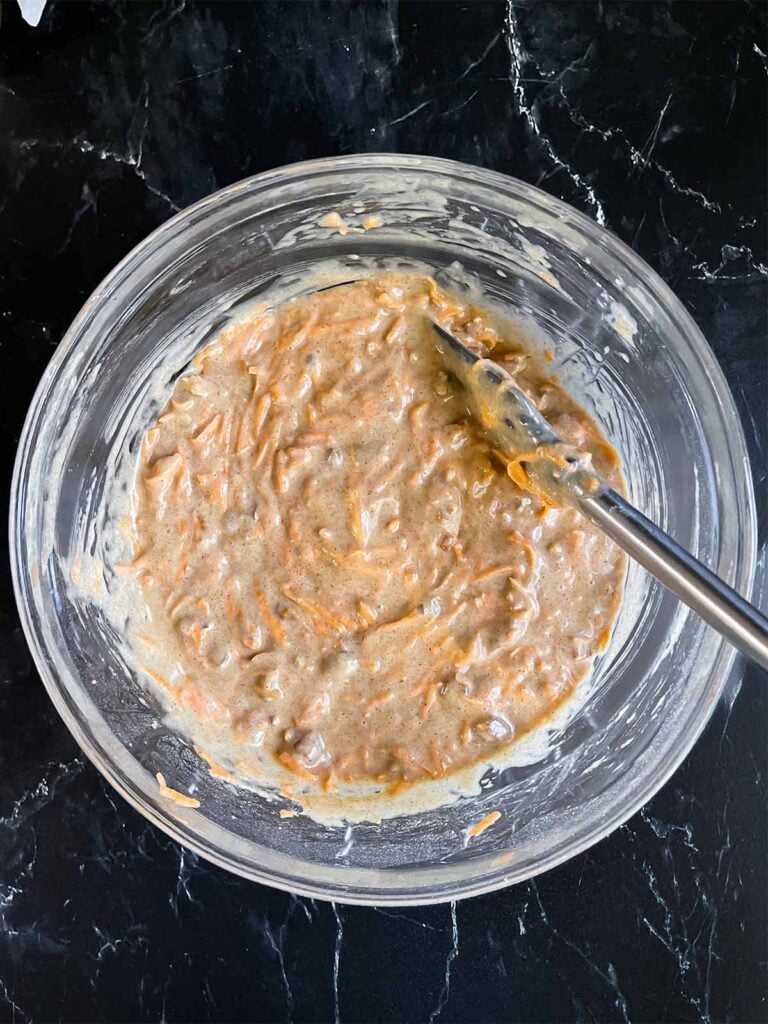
624 344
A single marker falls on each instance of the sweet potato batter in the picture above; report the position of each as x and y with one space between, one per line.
339 573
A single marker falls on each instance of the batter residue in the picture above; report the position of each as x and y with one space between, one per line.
339 574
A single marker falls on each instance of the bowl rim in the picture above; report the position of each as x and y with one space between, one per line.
744 559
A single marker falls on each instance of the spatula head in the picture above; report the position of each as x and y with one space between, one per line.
503 409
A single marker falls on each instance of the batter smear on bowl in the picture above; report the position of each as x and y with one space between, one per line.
340 577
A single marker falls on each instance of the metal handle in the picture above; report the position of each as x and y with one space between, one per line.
518 425
703 591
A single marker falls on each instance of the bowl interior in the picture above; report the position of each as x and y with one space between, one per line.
623 345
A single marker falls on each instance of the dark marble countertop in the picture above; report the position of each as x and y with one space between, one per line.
648 116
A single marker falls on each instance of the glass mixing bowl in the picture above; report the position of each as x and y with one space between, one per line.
623 343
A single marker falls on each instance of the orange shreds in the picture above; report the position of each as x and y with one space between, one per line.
273 622
549 355
398 787
523 480
377 702
144 639
280 475
285 813
366 612
429 699
603 638
416 414
310 610
311 438
321 617
530 553
196 633
446 305
395 330
293 765
414 615
607 450
215 769
262 451
189 696
494 570
173 794
298 337
165 683
233 611
480 826
209 431
164 467
356 526
149 442
260 413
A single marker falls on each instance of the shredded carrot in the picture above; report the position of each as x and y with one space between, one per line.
293 765
165 683
356 524
377 702
429 699
213 766
446 305
366 612
494 570
530 554
298 337
412 616
262 451
196 633
254 419
321 617
189 696
260 413
173 794
273 622
173 609
607 450
523 480
398 787
603 638
480 826
281 478
356 516
209 431
149 441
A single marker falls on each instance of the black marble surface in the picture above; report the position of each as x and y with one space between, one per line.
649 116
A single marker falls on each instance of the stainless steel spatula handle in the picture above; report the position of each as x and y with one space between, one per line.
717 603
518 425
